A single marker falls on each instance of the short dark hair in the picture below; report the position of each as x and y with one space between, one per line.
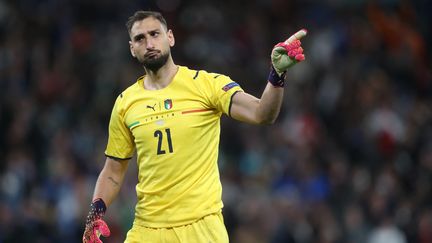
140 15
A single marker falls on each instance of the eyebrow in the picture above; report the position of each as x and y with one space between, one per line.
154 31
138 36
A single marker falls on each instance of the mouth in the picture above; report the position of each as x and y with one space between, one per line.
151 54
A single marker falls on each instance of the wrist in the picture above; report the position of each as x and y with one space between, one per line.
277 80
99 205
97 210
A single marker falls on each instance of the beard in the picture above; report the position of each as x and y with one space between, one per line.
154 63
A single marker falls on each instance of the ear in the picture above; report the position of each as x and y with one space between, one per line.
131 49
171 38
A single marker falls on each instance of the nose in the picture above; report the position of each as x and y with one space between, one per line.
149 44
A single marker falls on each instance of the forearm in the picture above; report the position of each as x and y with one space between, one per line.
110 180
248 108
269 104
107 187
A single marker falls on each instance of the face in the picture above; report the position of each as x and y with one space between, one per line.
150 43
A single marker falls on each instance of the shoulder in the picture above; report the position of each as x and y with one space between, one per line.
201 75
132 89
128 94
192 74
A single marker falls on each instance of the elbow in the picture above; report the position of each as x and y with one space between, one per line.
269 122
266 117
266 120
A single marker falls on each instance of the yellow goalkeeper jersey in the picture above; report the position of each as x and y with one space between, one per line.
175 131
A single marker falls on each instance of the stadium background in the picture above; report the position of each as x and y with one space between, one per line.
349 160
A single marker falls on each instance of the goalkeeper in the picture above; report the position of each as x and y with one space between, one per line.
171 118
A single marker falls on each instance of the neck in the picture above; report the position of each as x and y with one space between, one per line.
161 78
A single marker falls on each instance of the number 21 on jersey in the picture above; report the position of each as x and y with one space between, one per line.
161 145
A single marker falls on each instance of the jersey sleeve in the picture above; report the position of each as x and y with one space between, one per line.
120 140
223 89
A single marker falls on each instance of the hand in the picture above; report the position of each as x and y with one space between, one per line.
285 54
95 225
95 230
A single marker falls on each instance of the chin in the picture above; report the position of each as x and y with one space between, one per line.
154 64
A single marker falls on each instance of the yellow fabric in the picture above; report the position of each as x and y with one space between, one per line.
176 134
208 229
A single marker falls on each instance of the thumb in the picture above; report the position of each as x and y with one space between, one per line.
102 228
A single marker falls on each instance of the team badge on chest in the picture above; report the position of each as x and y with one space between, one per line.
168 104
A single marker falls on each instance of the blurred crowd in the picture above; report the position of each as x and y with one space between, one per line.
349 159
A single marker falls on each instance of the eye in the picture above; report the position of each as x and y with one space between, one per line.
154 33
139 38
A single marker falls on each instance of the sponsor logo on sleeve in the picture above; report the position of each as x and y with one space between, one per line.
229 86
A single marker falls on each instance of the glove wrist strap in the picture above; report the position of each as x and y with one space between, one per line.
97 210
275 79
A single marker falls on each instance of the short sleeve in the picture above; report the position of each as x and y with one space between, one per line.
223 90
120 140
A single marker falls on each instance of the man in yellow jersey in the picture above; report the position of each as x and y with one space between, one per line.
171 117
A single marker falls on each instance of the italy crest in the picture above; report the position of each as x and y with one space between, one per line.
168 104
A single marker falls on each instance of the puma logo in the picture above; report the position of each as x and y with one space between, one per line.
151 107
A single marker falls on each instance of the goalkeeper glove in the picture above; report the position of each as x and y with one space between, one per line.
95 225
284 55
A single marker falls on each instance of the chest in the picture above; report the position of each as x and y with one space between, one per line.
165 124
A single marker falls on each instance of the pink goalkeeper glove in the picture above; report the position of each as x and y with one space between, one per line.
95 225
285 55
